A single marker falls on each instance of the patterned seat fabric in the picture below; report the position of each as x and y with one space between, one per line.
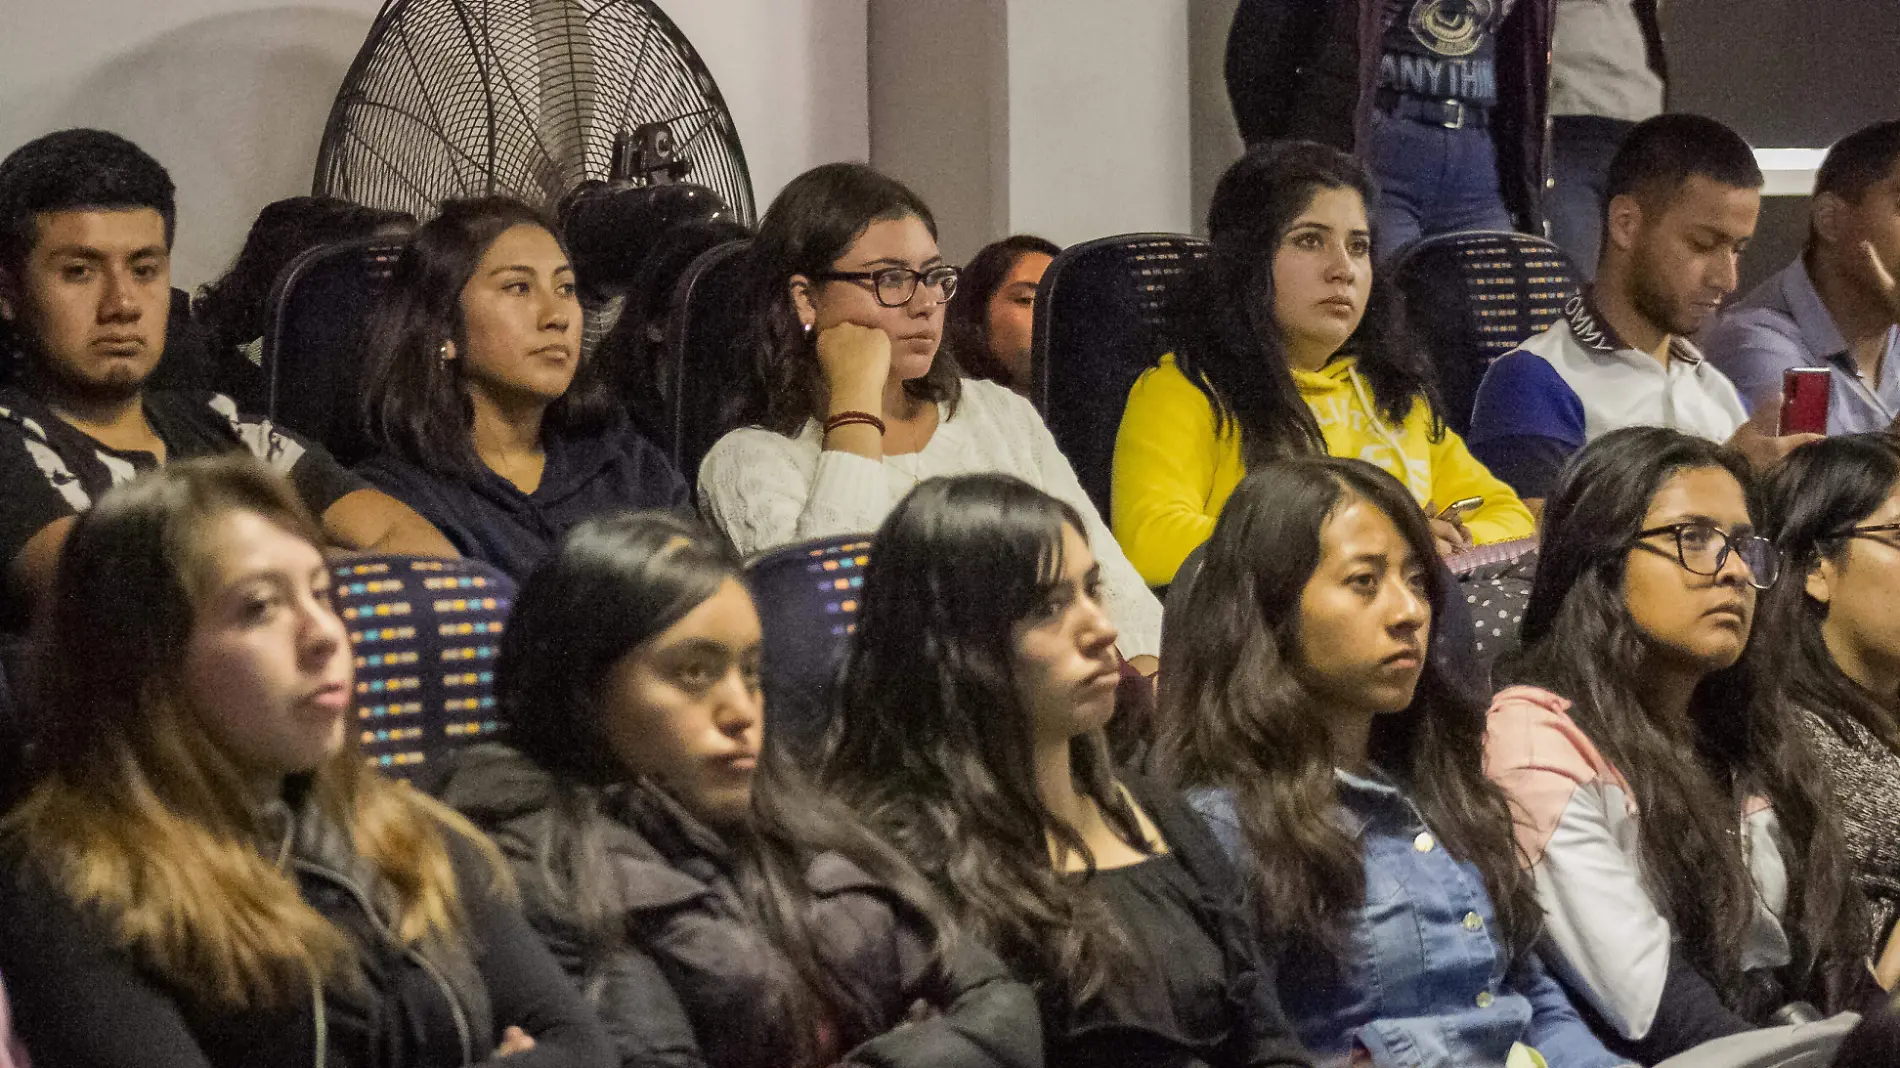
807 596
425 634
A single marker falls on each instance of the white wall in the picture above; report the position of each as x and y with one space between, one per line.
940 112
793 72
1216 137
1098 117
231 95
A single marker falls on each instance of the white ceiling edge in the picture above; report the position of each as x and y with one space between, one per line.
1789 172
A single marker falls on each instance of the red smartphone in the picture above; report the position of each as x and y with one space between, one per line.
1804 397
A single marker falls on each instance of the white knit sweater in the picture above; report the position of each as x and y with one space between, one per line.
766 490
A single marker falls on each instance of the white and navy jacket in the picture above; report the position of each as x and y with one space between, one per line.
1577 381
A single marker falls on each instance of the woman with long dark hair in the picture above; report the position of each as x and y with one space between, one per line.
717 911
486 417
207 872
969 733
1345 774
1293 346
854 404
1678 830
990 329
1832 508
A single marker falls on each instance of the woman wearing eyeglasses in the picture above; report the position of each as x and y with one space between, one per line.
1676 831
1833 509
853 405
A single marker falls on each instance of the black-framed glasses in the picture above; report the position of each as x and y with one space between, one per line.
1871 533
1702 549
895 286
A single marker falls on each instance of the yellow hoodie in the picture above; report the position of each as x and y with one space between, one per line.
1172 476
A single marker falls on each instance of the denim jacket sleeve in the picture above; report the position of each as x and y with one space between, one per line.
1556 1030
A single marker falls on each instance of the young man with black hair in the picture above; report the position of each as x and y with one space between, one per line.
1684 194
1838 306
86 225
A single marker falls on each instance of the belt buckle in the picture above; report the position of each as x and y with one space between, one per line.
1456 111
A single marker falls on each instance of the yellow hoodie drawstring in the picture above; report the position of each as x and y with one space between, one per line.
1372 414
1379 426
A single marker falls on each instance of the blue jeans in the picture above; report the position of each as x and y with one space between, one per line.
1431 181
1581 149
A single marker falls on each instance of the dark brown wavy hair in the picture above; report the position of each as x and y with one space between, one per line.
1236 716
1233 350
813 222
1818 492
932 744
1581 644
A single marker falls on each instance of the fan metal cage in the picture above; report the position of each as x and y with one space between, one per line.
460 98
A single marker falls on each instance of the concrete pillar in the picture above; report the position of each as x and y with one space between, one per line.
1067 118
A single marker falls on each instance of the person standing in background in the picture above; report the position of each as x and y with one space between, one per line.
1607 73
1445 100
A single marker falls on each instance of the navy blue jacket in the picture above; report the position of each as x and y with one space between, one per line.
587 474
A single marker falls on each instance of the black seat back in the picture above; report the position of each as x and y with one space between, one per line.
320 312
1105 312
1473 297
14 727
707 363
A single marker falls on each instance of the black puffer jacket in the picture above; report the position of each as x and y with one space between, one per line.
79 1000
694 984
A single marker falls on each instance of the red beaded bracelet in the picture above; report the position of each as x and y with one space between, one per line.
854 419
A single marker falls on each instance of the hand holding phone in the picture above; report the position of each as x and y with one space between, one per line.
1457 510
1805 393
1448 525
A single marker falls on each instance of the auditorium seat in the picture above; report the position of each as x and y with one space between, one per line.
1475 296
425 635
1105 312
320 310
707 363
807 596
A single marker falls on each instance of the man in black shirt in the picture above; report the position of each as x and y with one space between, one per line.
86 224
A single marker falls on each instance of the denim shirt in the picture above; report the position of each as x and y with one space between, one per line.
1427 983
